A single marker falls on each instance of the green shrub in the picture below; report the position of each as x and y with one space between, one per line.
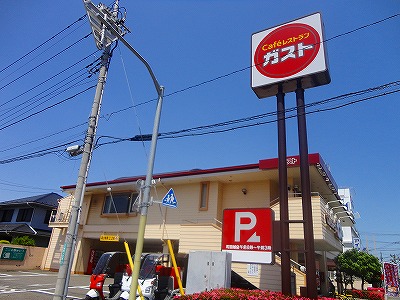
23 240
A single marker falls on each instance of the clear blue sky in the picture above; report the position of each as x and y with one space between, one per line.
188 43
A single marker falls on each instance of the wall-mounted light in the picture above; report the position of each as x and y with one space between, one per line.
244 191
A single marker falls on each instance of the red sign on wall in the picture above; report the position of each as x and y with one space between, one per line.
247 234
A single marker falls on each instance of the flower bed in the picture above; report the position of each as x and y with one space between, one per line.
371 294
238 294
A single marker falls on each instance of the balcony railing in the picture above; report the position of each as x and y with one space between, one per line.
59 218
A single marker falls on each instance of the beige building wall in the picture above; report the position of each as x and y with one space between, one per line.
190 227
52 256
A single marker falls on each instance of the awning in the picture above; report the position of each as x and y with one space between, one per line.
21 228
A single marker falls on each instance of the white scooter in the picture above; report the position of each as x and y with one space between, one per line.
155 280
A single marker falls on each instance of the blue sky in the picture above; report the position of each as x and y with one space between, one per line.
189 44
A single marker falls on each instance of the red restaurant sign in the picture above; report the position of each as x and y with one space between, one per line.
281 55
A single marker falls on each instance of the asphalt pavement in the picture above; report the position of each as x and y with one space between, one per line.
37 284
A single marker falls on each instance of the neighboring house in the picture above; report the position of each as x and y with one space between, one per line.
110 209
28 216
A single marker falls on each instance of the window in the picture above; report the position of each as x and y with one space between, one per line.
6 215
47 217
120 203
24 214
204 195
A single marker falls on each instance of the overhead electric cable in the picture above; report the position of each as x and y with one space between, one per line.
231 73
363 27
54 149
188 132
46 108
44 62
35 57
45 42
42 138
36 102
54 76
52 92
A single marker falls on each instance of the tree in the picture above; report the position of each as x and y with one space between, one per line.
360 264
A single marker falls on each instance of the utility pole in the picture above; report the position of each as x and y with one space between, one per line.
68 252
96 18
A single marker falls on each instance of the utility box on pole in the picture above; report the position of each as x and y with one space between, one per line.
208 270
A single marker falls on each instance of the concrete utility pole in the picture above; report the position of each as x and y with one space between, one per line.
67 255
97 17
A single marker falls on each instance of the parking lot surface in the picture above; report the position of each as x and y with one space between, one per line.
26 285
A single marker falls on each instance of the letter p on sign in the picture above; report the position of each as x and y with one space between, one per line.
241 224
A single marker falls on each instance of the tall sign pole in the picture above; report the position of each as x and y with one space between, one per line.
287 58
67 255
283 195
311 281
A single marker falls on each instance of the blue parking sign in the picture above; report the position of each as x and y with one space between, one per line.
170 199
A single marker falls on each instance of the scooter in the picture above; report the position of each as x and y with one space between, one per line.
110 265
156 281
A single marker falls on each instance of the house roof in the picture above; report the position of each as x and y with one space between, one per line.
17 228
49 200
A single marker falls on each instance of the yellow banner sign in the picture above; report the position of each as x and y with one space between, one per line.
109 238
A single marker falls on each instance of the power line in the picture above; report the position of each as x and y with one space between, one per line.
211 130
44 62
47 108
42 138
227 75
36 101
42 44
51 150
56 75
363 27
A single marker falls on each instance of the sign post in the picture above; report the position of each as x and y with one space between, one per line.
286 58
